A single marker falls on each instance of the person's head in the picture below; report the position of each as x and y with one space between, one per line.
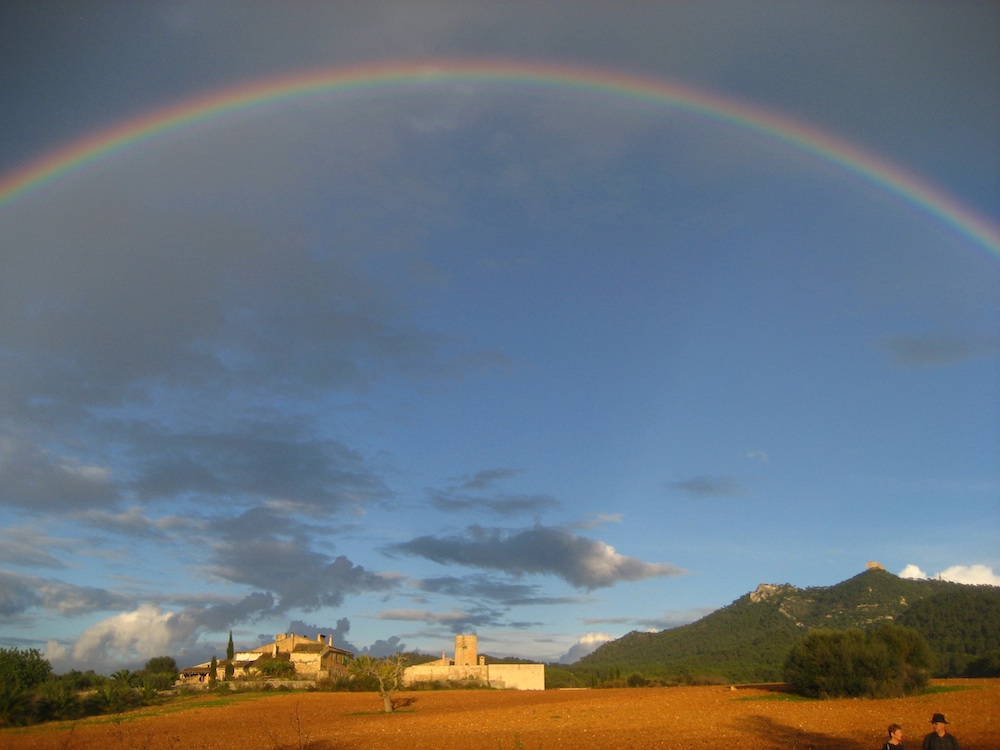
939 723
895 732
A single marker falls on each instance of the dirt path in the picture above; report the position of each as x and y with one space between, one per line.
700 718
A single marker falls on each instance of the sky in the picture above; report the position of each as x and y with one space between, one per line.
543 321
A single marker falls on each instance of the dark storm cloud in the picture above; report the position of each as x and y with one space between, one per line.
18 594
706 486
455 621
383 647
260 461
28 547
585 563
219 617
128 305
268 550
21 593
486 589
937 351
338 632
34 478
379 648
156 304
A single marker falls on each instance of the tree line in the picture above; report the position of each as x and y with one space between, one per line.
31 693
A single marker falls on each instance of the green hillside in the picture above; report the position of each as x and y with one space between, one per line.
748 640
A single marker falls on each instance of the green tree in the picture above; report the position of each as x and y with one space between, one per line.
230 653
213 671
387 673
960 626
161 665
159 673
24 667
987 665
909 657
78 680
889 661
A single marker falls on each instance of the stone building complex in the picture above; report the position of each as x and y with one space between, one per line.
469 666
311 659
318 659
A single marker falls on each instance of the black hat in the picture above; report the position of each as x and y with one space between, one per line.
938 718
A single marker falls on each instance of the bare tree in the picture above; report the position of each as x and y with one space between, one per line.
387 672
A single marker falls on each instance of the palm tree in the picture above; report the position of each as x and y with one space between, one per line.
124 677
15 703
110 696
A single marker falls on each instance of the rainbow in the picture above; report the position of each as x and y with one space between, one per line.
274 91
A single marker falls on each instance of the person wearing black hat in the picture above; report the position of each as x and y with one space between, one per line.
939 739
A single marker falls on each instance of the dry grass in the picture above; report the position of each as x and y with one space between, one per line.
686 718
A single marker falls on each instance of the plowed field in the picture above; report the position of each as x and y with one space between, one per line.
682 718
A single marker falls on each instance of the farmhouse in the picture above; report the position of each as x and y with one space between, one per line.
311 659
468 666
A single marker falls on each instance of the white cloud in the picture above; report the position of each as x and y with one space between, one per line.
127 637
975 574
586 645
912 571
55 652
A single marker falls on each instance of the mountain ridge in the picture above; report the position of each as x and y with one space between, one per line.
747 640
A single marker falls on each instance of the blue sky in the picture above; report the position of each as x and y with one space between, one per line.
547 365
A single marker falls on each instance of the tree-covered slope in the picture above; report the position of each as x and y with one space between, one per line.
748 640
959 626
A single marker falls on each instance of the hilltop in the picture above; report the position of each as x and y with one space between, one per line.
748 640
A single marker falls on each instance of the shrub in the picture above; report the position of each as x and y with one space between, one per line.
889 661
275 668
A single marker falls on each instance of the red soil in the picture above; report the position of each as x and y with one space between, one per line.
682 718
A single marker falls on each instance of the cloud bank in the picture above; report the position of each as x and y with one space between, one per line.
976 574
584 563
